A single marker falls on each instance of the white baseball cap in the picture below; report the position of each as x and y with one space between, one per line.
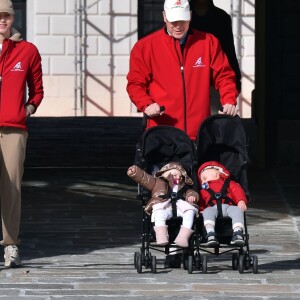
177 10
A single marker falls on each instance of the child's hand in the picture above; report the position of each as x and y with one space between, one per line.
131 170
191 199
242 205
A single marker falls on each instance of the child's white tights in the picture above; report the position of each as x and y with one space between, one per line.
162 215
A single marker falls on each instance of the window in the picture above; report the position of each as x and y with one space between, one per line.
149 16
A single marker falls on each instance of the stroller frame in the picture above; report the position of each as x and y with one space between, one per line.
186 156
241 258
226 141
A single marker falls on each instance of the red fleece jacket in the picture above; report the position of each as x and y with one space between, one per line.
234 192
20 63
160 72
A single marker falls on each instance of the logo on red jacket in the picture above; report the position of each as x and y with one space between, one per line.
17 67
199 63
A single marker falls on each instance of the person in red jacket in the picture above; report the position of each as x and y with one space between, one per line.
174 67
20 64
216 185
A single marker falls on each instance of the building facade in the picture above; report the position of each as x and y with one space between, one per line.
85 47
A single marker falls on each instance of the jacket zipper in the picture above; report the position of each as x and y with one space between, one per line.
2 62
183 85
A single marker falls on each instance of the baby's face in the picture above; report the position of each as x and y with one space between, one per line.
176 174
209 174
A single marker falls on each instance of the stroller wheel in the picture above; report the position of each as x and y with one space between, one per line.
153 264
235 261
139 263
255 264
247 261
241 263
147 260
198 261
185 258
190 264
135 258
204 264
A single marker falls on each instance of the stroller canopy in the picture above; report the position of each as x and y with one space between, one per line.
162 144
222 138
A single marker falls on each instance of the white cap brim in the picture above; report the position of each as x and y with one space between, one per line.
179 15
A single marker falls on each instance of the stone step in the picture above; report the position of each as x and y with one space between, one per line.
82 141
91 141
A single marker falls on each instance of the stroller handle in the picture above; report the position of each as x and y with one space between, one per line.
146 117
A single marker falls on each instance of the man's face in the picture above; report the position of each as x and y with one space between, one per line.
177 29
6 21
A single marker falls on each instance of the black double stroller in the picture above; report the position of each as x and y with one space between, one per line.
220 138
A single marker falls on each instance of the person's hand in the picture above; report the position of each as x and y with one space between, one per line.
242 205
28 112
191 199
153 110
229 109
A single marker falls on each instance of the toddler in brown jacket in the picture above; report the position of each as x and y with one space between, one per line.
171 181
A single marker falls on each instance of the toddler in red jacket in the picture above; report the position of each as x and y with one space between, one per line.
221 195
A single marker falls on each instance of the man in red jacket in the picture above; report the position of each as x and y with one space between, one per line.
20 64
174 67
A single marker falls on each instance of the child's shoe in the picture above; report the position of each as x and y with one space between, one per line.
238 239
162 236
211 240
182 239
